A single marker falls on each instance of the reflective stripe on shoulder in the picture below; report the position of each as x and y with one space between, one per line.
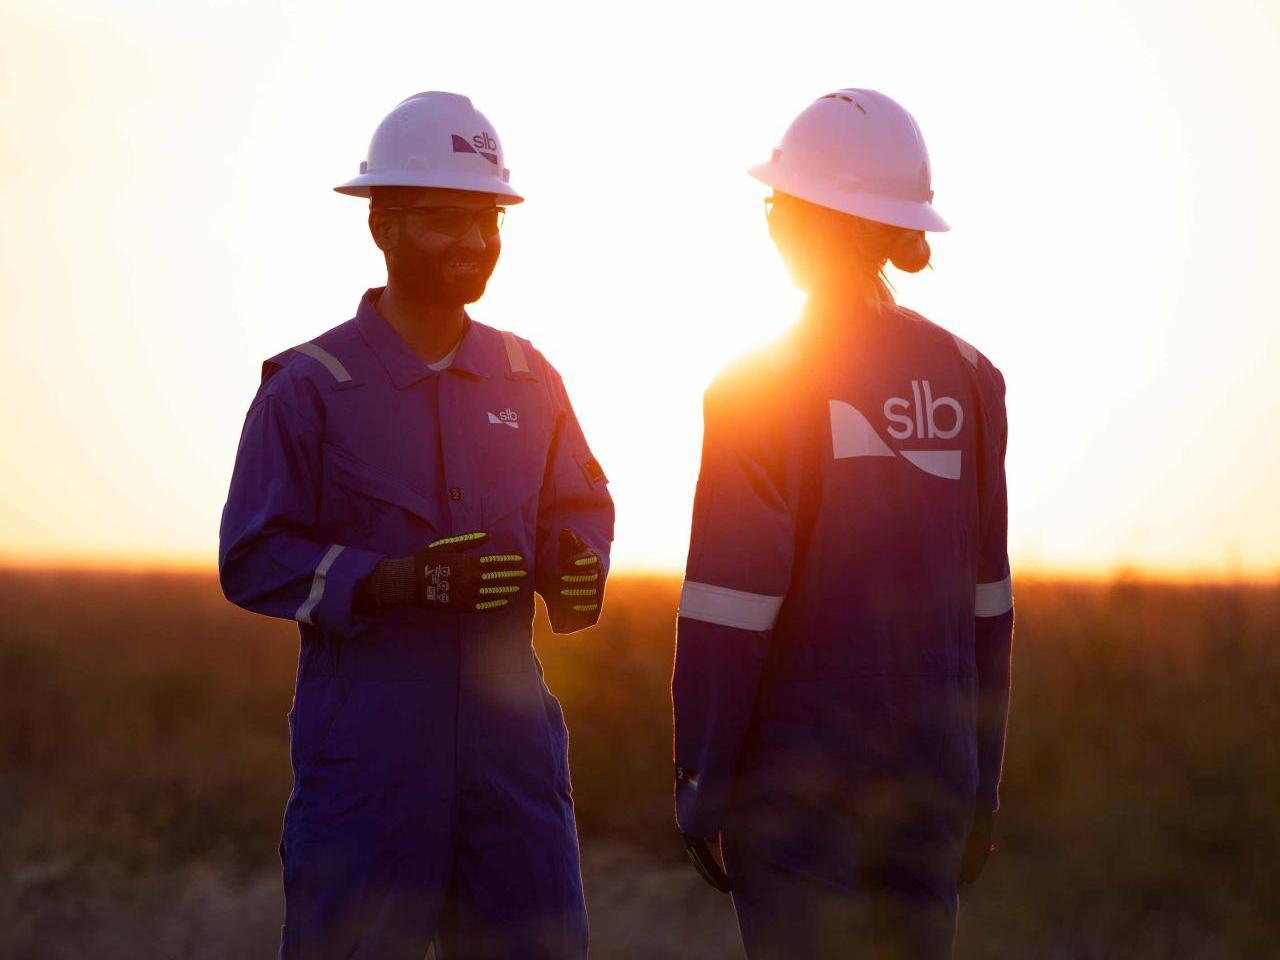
967 350
993 599
730 608
515 353
317 583
332 363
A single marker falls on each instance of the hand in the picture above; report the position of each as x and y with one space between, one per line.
577 587
699 851
454 582
977 847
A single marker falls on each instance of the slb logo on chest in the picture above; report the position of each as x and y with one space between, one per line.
921 419
507 417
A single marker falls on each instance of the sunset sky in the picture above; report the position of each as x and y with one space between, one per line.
1111 171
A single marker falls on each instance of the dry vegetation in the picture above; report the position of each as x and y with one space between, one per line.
144 770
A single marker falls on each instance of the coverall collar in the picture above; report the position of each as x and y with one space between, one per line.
479 353
871 304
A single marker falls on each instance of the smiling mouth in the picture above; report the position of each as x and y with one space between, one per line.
464 266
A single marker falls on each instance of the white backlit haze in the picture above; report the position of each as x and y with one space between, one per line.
1109 171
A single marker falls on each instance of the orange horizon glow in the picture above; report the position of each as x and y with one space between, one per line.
143 564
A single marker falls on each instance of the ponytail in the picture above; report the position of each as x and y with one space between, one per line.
908 250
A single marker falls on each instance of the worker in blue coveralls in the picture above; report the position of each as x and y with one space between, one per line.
403 482
842 666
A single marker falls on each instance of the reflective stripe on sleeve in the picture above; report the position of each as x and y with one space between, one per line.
730 608
993 599
317 584
515 353
967 350
332 363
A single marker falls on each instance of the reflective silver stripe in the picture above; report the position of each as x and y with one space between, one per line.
967 350
317 584
730 608
331 362
515 353
993 599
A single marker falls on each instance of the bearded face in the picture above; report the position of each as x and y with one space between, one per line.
440 245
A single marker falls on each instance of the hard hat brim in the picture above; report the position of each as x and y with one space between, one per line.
909 214
360 186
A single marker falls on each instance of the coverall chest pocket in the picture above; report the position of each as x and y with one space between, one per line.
363 506
514 465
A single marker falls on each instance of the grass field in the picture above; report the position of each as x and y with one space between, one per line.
144 769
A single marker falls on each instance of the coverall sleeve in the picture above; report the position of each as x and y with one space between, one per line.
268 560
741 548
574 496
993 633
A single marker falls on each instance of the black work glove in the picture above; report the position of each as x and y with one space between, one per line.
699 852
454 582
977 847
577 585
442 577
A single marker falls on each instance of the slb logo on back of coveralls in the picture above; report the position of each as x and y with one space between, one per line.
922 417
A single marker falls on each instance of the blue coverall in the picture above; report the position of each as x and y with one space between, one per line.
431 782
842 666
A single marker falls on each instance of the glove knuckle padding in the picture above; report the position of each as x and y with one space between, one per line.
465 582
575 589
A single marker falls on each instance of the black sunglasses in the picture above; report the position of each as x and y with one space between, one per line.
456 222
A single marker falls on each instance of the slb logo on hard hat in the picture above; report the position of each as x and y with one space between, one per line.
482 143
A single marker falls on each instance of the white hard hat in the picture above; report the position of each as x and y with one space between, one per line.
858 152
434 140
